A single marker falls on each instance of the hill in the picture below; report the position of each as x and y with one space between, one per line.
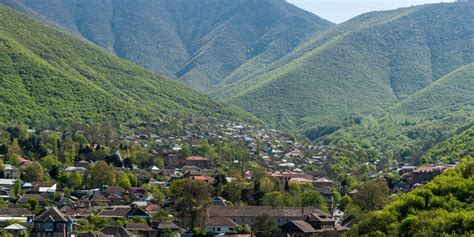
443 207
364 66
200 42
455 148
451 93
47 74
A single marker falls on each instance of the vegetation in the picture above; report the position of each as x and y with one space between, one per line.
440 208
199 42
50 77
418 57
453 149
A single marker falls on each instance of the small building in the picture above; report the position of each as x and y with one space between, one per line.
16 229
198 161
140 229
217 225
52 223
298 229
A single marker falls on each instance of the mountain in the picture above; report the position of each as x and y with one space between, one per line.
451 93
48 74
366 66
200 42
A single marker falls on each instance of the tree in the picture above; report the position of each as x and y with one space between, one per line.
193 198
101 174
372 195
266 226
266 185
74 180
274 199
185 151
49 161
123 181
311 198
14 151
17 187
34 172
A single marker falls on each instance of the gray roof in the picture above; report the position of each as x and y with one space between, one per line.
51 214
15 227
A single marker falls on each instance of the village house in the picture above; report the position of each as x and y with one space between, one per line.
52 223
247 215
424 174
198 161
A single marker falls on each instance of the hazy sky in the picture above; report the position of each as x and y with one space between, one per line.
341 10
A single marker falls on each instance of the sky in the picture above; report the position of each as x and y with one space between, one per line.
339 11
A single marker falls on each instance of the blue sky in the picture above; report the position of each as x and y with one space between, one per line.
338 11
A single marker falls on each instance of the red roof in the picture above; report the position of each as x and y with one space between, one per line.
197 158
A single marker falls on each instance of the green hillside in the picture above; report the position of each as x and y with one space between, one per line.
443 207
458 146
201 42
47 74
453 92
363 66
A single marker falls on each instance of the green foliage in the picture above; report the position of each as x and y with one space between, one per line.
166 39
441 207
101 174
266 226
452 149
193 198
34 172
367 65
50 76
311 198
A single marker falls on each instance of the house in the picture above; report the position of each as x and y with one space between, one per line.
16 230
16 214
167 227
116 231
425 174
198 161
323 183
92 234
94 200
115 199
52 223
298 228
140 229
247 215
117 190
321 221
124 211
217 225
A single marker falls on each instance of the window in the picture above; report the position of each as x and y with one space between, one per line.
218 228
48 226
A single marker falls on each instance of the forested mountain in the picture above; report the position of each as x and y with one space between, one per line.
201 42
47 74
367 66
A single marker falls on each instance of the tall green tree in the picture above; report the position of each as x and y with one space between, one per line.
193 198
101 174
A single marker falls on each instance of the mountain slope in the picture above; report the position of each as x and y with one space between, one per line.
455 148
201 42
365 65
451 93
47 74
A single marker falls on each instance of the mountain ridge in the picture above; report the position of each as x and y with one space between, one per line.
49 74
